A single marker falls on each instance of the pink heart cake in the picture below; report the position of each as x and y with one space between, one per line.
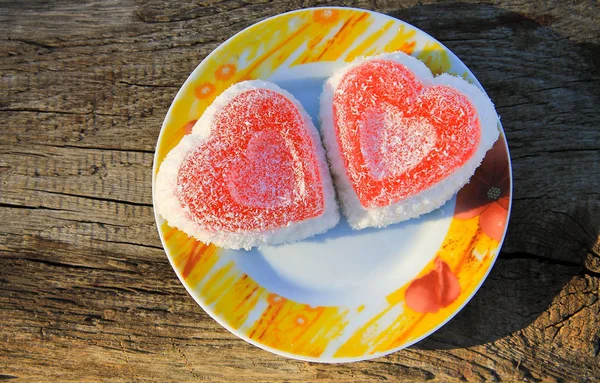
400 141
252 172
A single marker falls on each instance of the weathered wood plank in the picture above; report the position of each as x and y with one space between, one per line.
86 292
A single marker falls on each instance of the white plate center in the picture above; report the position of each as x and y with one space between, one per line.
345 266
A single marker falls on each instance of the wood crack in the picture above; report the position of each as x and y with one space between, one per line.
185 361
104 199
67 265
553 151
144 151
26 207
590 273
585 231
100 224
498 107
135 290
532 198
34 110
31 42
177 18
148 85
132 244
523 255
127 360
569 316
574 150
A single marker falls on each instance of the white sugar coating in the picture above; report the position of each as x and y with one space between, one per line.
178 215
393 144
258 191
422 202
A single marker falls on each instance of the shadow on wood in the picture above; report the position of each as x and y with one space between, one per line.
545 88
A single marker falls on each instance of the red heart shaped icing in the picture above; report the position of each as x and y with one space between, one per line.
433 291
398 137
258 169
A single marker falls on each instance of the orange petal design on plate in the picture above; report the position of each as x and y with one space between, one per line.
326 16
225 72
437 289
204 90
487 194
493 220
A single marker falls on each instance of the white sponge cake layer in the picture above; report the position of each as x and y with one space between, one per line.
429 199
178 215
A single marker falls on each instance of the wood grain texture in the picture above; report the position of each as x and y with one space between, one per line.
86 292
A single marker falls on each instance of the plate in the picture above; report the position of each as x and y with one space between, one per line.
345 295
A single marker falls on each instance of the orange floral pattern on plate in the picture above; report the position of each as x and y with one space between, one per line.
487 194
225 72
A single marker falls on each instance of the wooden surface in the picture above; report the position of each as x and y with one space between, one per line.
86 291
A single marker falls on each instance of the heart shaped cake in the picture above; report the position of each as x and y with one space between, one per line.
400 142
252 172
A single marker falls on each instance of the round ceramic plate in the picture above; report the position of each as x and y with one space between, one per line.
344 295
